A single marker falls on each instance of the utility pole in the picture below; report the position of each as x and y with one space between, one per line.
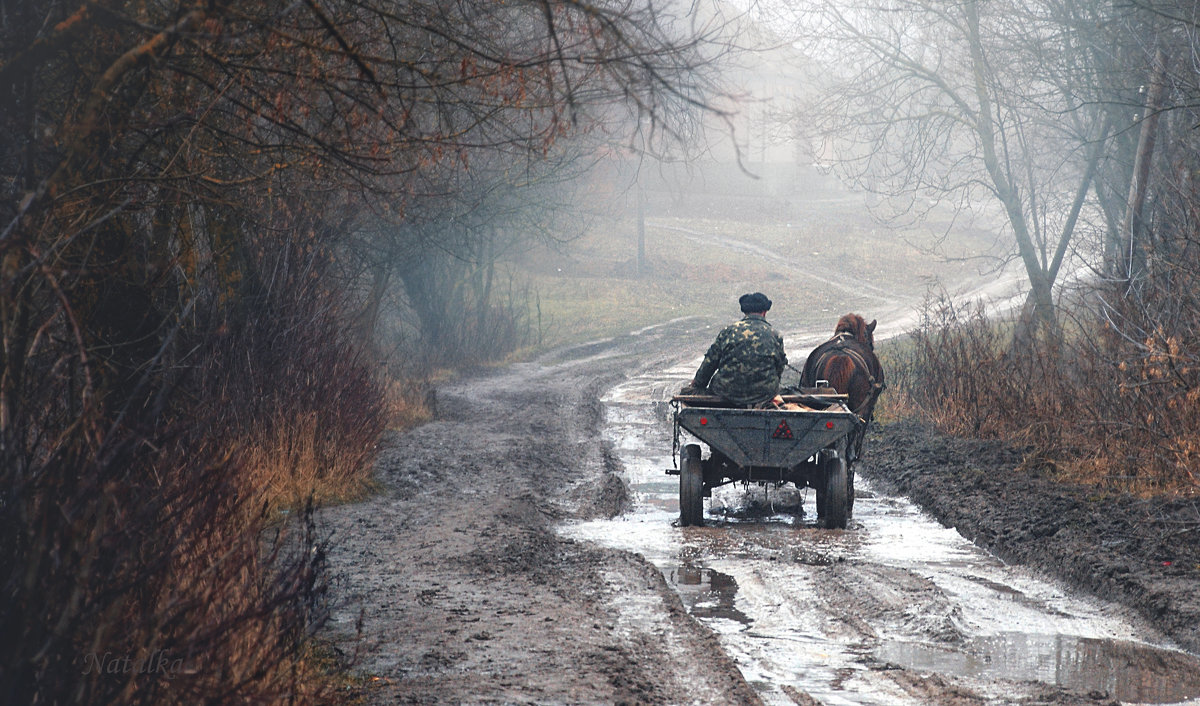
641 230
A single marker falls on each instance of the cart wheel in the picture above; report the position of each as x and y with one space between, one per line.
837 505
850 492
691 487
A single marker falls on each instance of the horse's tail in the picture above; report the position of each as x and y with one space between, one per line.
839 369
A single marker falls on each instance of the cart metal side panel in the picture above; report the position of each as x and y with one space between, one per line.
756 437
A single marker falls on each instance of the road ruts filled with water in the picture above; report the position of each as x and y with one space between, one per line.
894 610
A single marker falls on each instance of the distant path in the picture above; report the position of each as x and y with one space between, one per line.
845 283
1000 293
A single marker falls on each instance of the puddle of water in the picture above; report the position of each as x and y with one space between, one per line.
1127 671
707 593
901 536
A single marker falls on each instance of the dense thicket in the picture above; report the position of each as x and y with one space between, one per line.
202 202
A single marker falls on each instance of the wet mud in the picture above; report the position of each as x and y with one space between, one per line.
524 548
452 586
1143 554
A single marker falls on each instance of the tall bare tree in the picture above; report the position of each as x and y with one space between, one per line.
969 103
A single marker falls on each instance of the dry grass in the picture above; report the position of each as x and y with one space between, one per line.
1126 426
407 401
295 459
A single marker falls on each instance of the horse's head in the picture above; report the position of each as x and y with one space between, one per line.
857 327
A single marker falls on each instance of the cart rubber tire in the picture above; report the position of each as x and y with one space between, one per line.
837 505
691 487
850 492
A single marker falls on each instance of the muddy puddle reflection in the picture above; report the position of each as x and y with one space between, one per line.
832 613
1126 671
707 593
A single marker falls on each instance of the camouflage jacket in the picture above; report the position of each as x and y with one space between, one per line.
744 364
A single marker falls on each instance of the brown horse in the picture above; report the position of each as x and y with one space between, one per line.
848 363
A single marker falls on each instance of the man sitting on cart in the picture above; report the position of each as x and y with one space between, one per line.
745 362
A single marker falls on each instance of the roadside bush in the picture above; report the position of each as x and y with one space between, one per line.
1096 406
301 403
1142 403
155 430
958 369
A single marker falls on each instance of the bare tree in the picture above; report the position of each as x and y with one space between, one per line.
968 104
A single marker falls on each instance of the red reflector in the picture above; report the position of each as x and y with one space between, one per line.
703 421
828 425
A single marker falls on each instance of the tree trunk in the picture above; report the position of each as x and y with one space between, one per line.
485 295
1040 294
381 275
1132 255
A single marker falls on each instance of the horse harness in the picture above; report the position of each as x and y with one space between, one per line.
839 346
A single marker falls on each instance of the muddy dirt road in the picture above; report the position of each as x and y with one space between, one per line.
453 585
523 549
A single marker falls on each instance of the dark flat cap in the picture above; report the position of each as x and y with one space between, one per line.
754 303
